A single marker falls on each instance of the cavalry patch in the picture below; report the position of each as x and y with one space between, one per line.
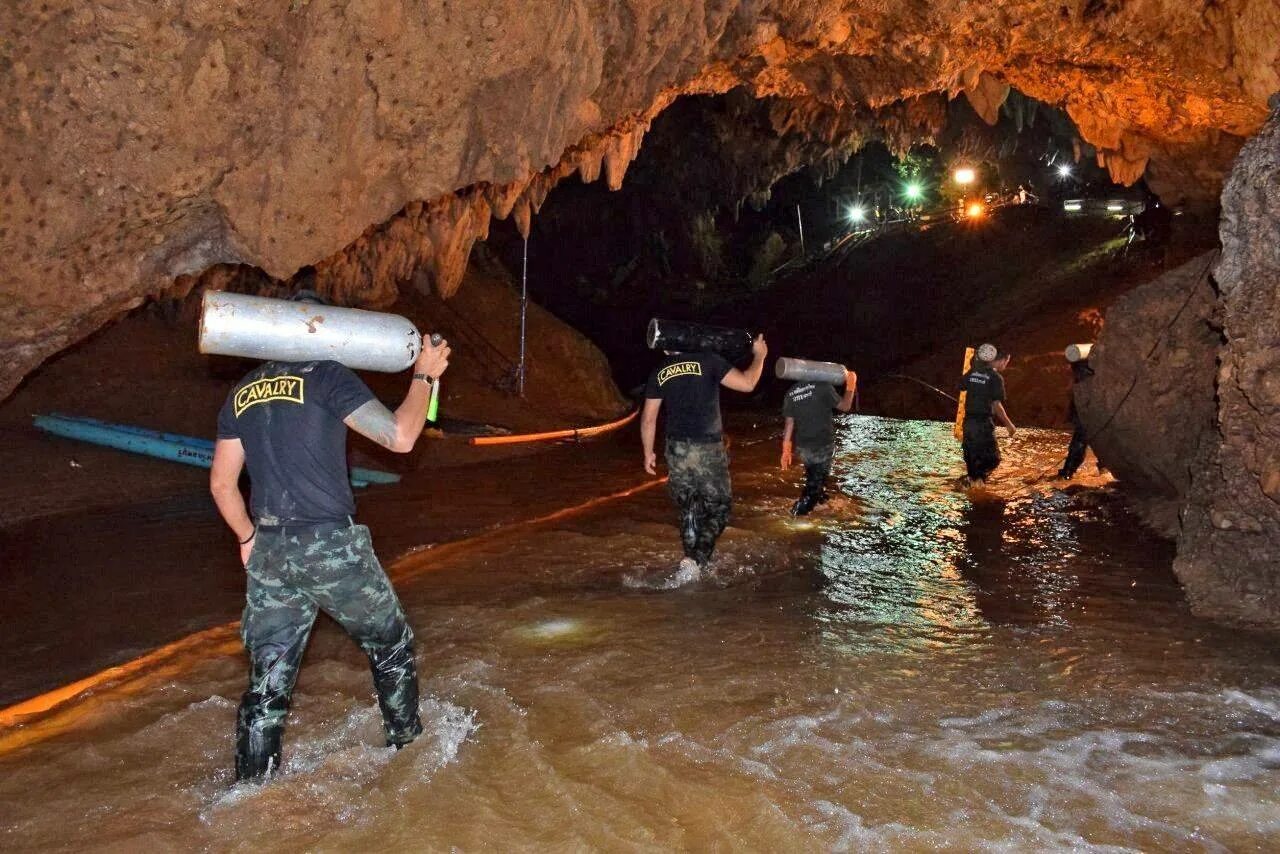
679 369
288 388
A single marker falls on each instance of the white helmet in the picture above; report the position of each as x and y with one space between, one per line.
988 352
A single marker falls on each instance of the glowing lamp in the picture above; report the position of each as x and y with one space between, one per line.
914 192
1115 206
857 213
964 175
1064 171
1072 206
975 209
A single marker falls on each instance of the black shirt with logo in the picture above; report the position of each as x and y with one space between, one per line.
811 405
688 384
983 387
289 417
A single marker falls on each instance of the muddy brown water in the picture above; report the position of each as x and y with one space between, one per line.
910 669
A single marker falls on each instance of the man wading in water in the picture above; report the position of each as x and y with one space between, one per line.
809 419
697 463
984 396
287 421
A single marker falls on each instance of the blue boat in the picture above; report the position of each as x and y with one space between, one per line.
175 447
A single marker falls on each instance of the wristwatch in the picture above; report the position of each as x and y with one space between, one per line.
426 379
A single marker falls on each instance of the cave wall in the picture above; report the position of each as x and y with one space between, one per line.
144 141
1149 408
1229 547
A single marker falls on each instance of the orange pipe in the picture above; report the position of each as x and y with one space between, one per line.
572 433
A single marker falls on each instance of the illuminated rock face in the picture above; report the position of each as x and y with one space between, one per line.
1149 408
1185 406
1229 550
145 141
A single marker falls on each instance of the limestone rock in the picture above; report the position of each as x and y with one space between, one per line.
146 141
1149 408
1229 551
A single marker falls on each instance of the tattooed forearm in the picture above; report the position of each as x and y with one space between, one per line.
376 422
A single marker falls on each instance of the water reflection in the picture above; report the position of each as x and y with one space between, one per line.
911 668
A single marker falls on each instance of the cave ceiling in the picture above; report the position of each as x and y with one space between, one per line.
146 142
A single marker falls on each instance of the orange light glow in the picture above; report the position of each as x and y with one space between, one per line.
975 209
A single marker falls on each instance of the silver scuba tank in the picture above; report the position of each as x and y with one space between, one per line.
286 331
1076 352
802 370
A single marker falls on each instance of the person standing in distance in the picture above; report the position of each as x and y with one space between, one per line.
807 409
697 463
984 400
302 551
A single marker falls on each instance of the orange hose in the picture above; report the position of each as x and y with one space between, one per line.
572 433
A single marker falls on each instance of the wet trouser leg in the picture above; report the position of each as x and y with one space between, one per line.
275 628
1075 451
359 596
700 486
981 452
817 466
290 577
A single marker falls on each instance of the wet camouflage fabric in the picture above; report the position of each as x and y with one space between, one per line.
981 453
699 484
817 466
291 576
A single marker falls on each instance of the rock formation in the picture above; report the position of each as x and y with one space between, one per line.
1229 548
1185 406
1150 406
144 141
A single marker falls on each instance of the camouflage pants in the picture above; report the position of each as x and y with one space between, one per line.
817 466
292 574
699 484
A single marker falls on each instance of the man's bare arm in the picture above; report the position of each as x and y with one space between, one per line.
745 381
224 483
850 389
399 431
374 421
649 432
997 409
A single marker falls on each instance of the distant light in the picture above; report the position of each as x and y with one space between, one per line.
1115 206
1071 206
964 175
975 209
914 191
857 213
1064 171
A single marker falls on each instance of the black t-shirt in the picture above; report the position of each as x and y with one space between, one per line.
288 416
811 404
688 384
984 386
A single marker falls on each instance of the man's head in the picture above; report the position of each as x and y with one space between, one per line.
993 357
305 284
